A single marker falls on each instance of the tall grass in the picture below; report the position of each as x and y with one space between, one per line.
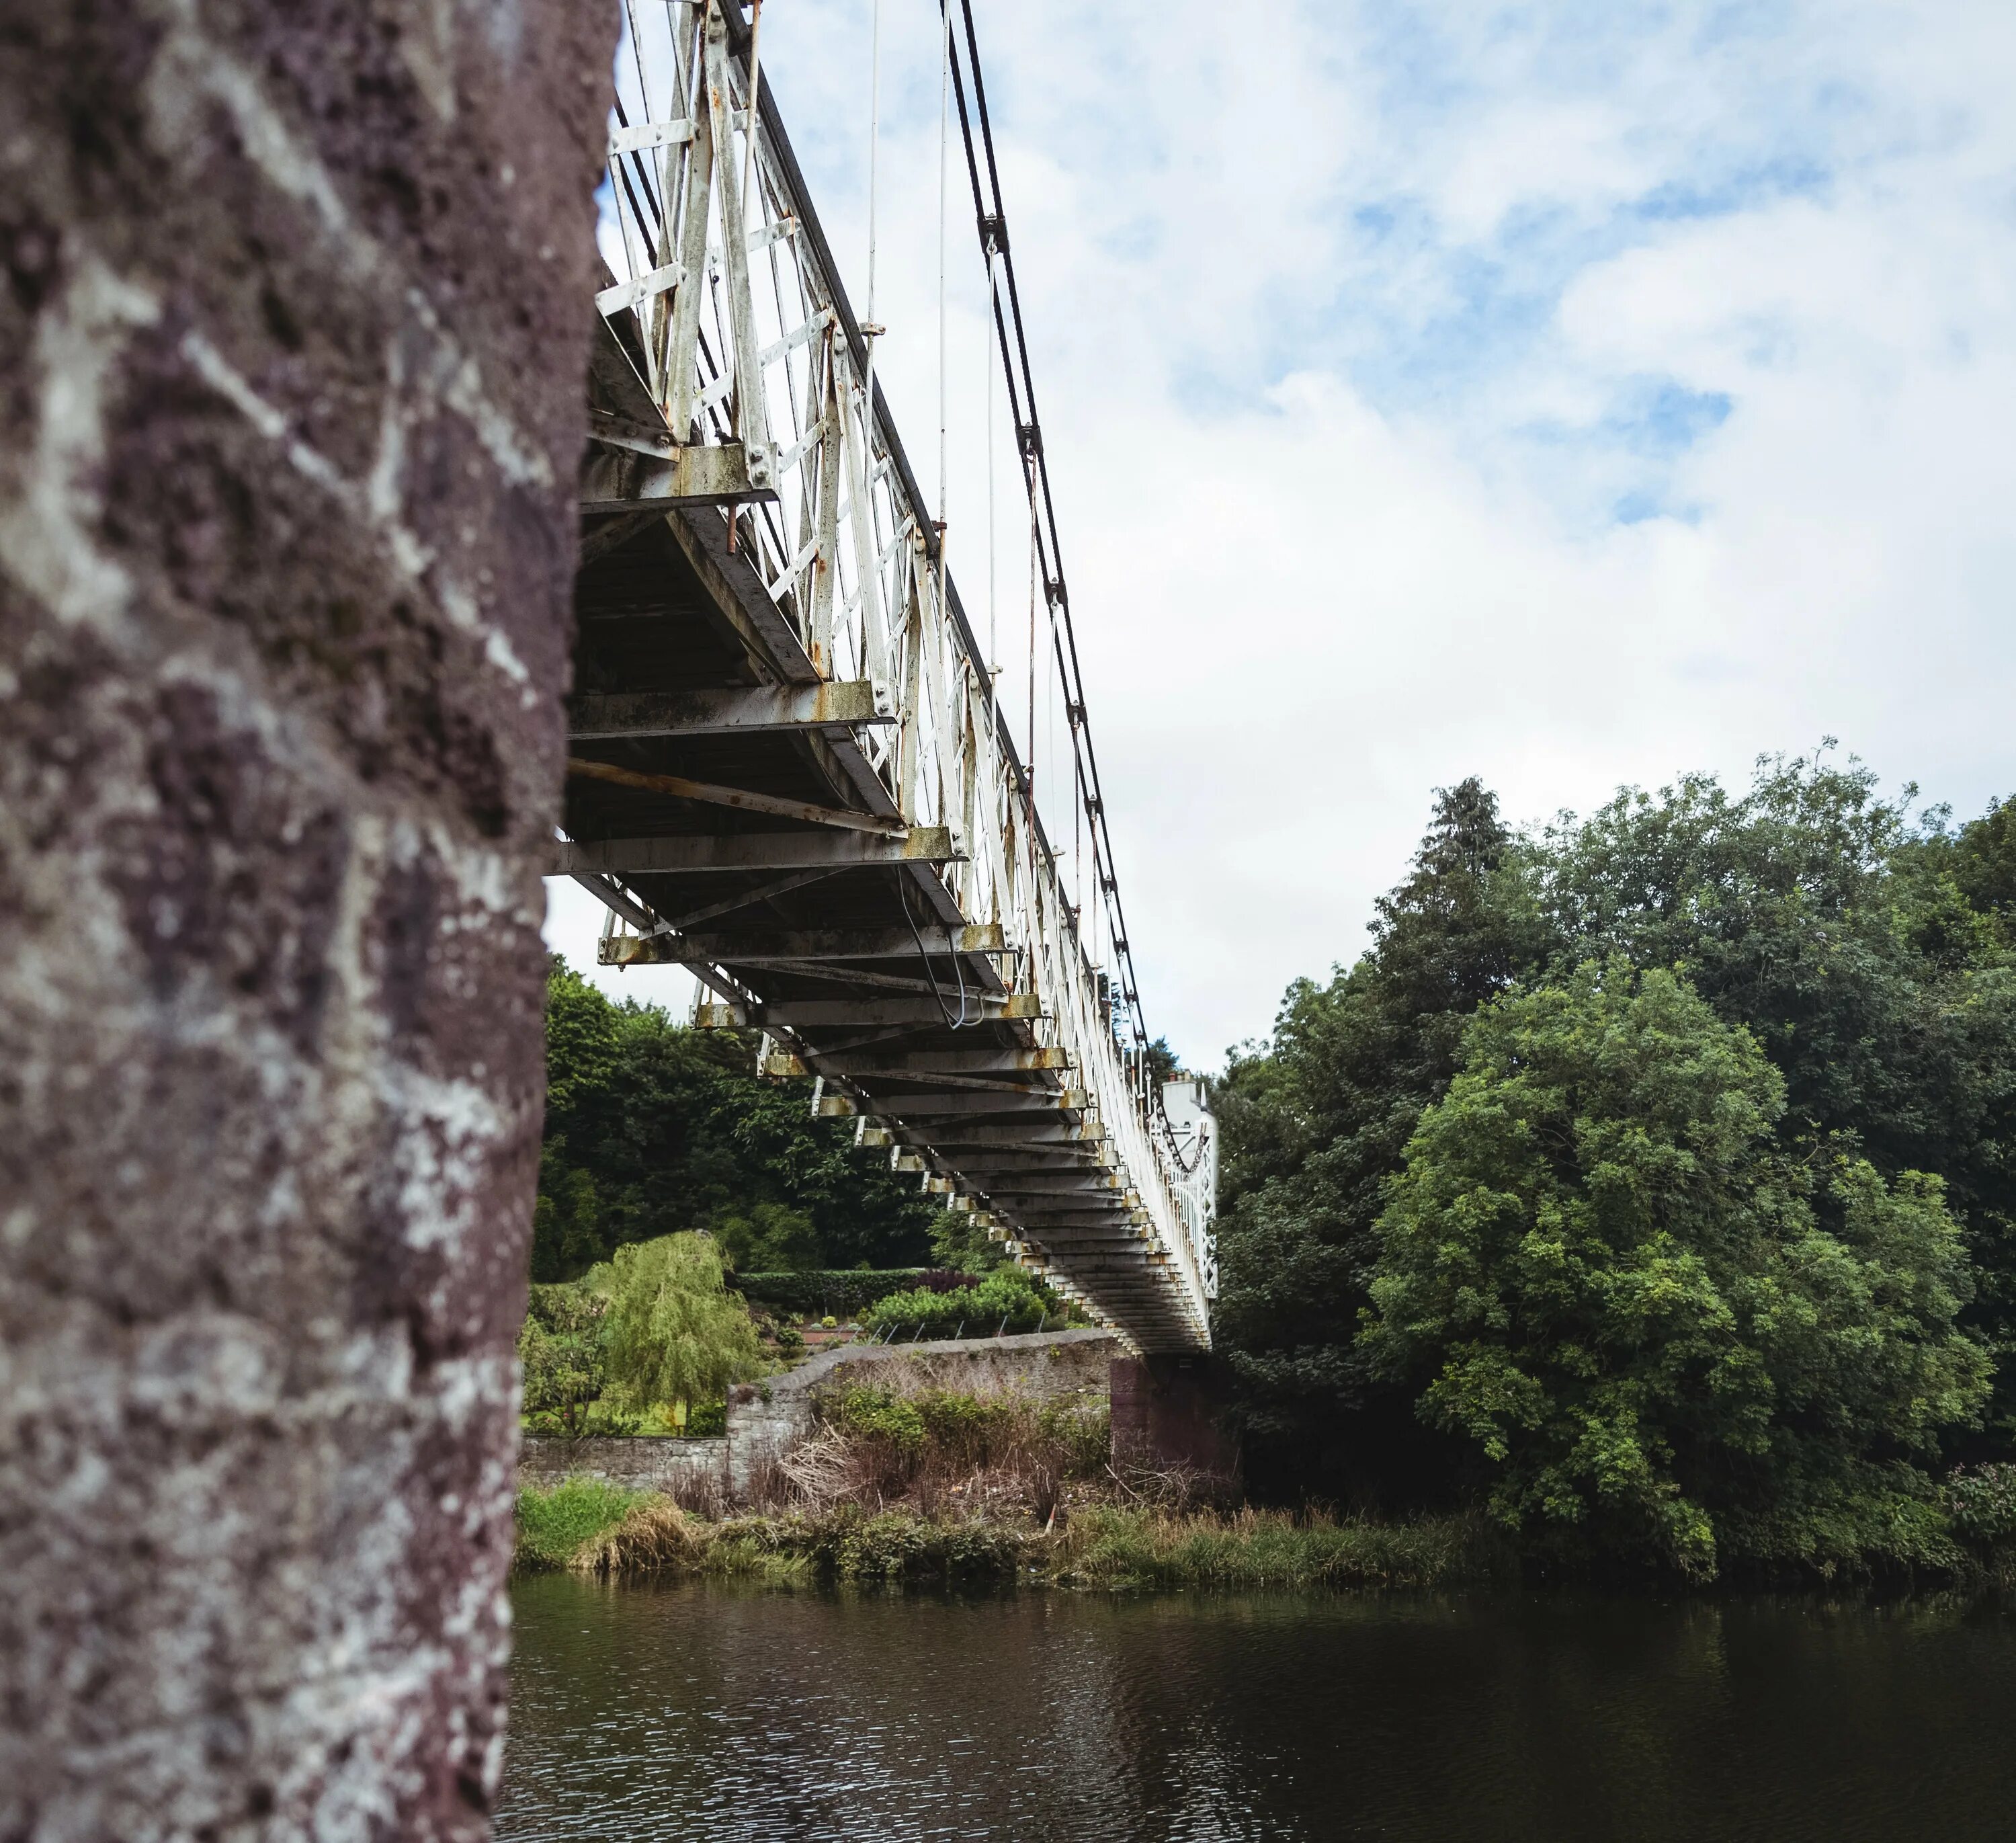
553 1526
1105 1547
940 1452
1248 1549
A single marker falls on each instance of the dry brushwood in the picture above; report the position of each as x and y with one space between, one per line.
821 1470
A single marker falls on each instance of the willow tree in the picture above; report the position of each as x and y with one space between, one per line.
673 1332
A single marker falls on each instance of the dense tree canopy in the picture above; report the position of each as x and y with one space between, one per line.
652 1129
1650 1314
1311 1127
1845 975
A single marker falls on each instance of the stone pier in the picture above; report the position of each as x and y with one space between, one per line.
293 338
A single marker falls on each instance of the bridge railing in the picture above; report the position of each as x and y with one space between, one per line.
731 319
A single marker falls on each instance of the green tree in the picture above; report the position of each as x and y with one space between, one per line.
770 1238
1869 953
1312 1124
570 1229
672 1331
1669 1336
652 1128
559 1346
1985 862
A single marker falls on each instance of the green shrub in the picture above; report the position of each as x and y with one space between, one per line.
1083 1438
875 1414
1005 1300
1260 1548
899 1545
1981 1503
824 1290
553 1525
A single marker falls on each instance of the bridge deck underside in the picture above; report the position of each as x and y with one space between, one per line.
849 952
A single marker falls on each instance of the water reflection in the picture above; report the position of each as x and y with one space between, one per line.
701 1711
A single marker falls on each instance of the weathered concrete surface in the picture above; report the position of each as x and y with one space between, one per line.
766 1423
291 349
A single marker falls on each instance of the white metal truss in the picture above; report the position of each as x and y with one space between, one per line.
743 339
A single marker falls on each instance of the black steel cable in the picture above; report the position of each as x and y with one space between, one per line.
991 225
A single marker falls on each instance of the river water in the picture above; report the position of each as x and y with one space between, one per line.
705 1711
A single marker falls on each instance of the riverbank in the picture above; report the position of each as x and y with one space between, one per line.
585 1526
592 1528
886 1474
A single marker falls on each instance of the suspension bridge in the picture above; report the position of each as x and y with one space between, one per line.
790 770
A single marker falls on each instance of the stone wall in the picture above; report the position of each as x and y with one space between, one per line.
765 1422
688 1469
292 326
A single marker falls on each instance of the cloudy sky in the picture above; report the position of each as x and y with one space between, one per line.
1568 394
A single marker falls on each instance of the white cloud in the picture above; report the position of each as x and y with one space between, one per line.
1344 332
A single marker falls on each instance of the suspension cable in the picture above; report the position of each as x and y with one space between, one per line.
869 328
944 193
1048 557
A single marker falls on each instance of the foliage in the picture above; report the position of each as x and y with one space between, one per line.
1007 1300
770 1237
554 1524
1612 1277
652 1129
826 1291
969 1430
876 1414
596 1529
958 1241
1311 1127
1871 957
560 1348
903 1439
1980 1502
671 1330
1868 952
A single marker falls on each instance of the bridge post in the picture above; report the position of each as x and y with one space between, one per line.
293 330
1169 1411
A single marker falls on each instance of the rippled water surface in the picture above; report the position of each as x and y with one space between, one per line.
701 1711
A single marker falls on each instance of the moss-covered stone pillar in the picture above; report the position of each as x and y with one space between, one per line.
293 304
